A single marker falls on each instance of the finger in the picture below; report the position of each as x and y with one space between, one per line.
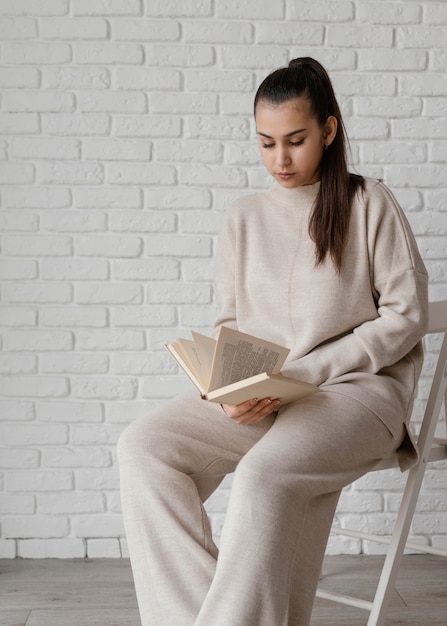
259 412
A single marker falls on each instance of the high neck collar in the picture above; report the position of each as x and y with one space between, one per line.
295 197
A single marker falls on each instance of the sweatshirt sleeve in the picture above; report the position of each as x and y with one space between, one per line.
399 283
224 282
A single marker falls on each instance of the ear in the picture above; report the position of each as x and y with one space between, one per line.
330 130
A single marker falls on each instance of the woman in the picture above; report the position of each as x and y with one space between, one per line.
325 263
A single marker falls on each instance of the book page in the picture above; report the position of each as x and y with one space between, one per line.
205 347
188 351
239 356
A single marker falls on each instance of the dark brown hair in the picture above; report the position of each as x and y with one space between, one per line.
328 225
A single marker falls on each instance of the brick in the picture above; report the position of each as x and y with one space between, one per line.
393 13
34 527
420 37
107 198
393 152
145 30
290 33
198 80
112 7
178 8
178 293
18 270
153 126
76 78
11 504
107 53
34 293
323 11
74 222
18 363
419 176
98 526
250 9
97 479
73 28
110 339
18 458
138 364
178 246
222 176
138 221
67 504
36 53
435 13
13 77
37 197
104 434
218 32
147 269
144 316
45 148
197 270
164 387
73 269
148 79
16 173
76 363
178 198
14 221
77 125
70 172
217 128
183 103
33 434
70 411
392 60
199 222
66 548
19 123
8 549
76 457
179 56
45 481
103 548
365 84
17 28
372 106
113 149
421 128
34 386
109 246
359 36
16 410
198 317
34 7
112 101
100 293
109 388
423 85
189 151
140 174
42 245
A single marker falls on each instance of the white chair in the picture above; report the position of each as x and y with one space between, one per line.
431 449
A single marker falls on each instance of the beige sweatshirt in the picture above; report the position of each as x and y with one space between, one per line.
356 332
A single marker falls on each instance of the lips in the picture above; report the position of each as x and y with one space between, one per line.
285 175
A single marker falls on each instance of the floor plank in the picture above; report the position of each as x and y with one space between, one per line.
99 592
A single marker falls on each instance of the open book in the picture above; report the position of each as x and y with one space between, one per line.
237 367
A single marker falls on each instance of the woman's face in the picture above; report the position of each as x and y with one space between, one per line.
291 141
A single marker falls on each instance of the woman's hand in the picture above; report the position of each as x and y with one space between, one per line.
252 411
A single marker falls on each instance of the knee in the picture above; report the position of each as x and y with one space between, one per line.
137 442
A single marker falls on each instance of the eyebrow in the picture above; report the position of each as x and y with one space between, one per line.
294 132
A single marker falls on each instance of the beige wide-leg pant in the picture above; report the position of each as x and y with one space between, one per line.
289 470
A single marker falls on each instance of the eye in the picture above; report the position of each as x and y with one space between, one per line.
267 145
297 143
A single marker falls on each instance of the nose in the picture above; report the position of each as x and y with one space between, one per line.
283 156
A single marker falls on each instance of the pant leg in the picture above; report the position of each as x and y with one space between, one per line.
170 462
284 495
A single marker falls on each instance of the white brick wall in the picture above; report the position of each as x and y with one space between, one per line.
126 130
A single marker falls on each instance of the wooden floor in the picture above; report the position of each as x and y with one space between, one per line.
99 592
